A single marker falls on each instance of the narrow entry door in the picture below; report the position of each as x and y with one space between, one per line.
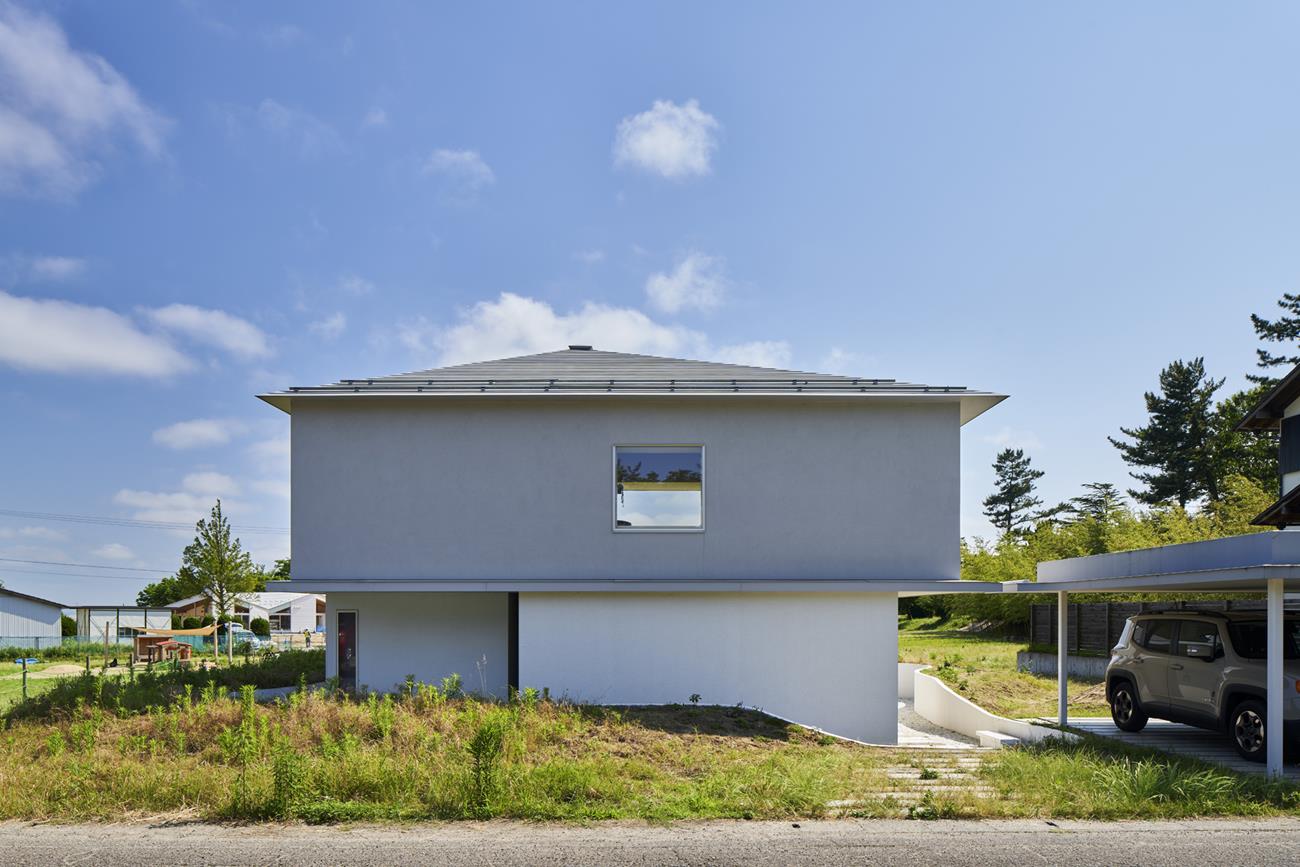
347 648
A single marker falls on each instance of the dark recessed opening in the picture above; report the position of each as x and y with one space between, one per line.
579 346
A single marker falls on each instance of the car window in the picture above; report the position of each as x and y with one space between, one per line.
1250 639
1140 630
1161 637
1198 633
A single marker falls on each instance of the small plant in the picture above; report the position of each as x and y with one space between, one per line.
694 698
451 686
485 750
929 774
54 744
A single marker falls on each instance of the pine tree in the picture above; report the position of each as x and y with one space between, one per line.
1285 330
217 566
1252 454
1177 441
1009 506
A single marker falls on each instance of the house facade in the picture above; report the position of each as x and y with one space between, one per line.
627 529
29 621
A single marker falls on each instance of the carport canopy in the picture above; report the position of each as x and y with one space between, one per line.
1266 563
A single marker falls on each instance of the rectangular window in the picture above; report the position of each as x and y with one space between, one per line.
659 487
1161 637
279 622
1199 639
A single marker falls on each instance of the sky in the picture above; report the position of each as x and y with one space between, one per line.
200 202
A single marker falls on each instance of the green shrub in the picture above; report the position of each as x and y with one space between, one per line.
260 626
192 623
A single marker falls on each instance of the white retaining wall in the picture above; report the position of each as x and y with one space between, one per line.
825 660
943 707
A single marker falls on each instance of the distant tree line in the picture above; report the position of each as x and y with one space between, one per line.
1196 476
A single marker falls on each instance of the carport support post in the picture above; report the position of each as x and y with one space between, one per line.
1062 630
1276 681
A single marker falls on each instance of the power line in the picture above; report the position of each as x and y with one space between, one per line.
9 570
129 522
86 565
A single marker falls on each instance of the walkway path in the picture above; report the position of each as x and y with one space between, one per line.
1180 740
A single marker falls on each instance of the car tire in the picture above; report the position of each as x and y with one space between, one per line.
1125 709
1246 730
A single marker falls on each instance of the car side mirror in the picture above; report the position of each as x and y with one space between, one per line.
1199 651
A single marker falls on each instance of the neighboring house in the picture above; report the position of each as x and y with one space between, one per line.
628 529
286 612
24 617
119 622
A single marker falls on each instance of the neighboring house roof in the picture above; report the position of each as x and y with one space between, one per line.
30 598
1267 414
581 370
122 607
269 601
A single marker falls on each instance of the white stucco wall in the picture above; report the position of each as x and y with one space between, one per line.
827 660
482 489
429 635
27 618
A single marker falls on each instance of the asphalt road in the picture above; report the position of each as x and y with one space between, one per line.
1150 844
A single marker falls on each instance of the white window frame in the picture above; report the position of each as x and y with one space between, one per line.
613 488
288 619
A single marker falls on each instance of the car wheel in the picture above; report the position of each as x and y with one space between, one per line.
1246 729
1125 709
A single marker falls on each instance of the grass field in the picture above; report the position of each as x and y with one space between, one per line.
433 754
983 669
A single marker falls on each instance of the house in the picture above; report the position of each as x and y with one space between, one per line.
29 621
119 623
288 613
628 529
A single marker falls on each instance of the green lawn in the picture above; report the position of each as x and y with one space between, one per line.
433 754
983 669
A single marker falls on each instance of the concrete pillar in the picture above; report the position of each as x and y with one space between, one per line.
1273 729
1062 633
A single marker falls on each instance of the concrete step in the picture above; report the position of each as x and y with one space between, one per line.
997 740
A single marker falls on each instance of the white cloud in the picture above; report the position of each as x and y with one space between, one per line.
330 327
1011 438
515 325
845 362
353 284
43 533
696 283
63 337
675 141
271 454
114 551
215 328
376 116
463 173
56 267
295 128
758 353
61 109
590 257
198 433
195 499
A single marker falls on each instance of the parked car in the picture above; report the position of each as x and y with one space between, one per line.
1202 669
240 636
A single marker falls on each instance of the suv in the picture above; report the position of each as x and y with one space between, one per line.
1204 669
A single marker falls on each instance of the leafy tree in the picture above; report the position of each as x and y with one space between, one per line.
216 565
164 591
68 626
260 626
1252 454
1176 443
281 571
1009 506
1284 330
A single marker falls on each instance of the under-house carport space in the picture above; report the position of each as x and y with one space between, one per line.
1266 563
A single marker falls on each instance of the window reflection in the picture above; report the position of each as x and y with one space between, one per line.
659 487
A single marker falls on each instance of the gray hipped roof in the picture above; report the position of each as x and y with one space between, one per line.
584 371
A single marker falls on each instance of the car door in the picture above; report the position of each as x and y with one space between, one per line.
1196 668
1151 664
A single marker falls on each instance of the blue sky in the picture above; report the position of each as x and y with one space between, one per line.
202 201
